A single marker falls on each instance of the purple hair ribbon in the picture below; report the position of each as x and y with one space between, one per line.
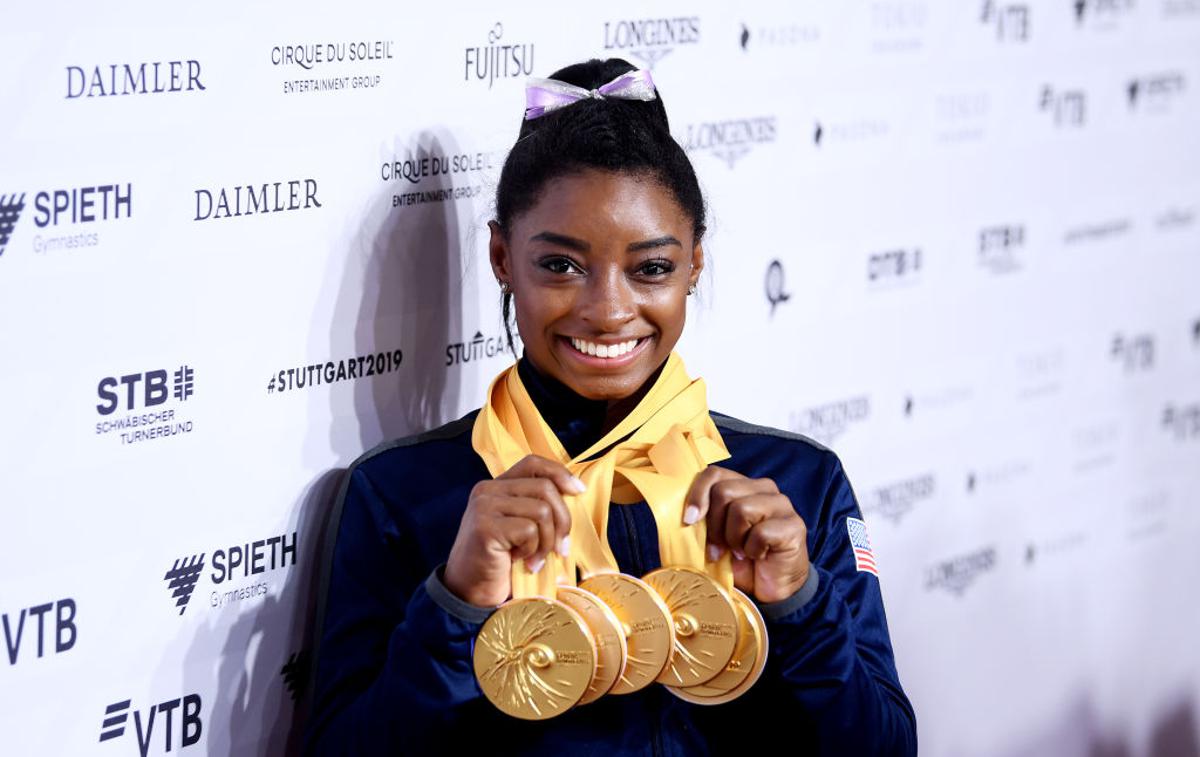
545 95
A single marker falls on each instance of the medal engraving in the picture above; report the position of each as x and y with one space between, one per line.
746 666
649 634
705 619
534 658
609 635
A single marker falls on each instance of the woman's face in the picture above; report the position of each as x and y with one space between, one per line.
603 259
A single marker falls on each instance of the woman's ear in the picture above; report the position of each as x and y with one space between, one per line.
498 253
697 264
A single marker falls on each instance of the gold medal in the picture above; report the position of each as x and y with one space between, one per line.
534 658
611 648
657 449
646 622
705 620
744 669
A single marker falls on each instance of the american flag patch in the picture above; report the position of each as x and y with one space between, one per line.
864 558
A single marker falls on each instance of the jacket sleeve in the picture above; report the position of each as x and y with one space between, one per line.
829 643
393 668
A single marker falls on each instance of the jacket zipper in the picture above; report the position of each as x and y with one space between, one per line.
631 532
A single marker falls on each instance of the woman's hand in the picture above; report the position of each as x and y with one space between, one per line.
750 517
518 515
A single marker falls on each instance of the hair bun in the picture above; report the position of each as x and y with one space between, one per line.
612 134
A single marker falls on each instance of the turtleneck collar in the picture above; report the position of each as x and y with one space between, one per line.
577 421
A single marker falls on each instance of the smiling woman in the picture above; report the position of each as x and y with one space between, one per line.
520 580
599 270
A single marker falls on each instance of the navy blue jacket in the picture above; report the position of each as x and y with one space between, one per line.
394 668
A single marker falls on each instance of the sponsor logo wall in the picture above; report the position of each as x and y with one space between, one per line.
955 242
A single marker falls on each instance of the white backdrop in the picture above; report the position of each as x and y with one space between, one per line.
956 241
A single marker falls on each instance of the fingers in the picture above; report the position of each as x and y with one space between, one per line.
520 535
539 513
734 494
533 489
536 466
773 535
556 512
741 516
697 501
519 515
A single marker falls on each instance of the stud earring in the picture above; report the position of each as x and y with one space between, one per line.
504 286
691 289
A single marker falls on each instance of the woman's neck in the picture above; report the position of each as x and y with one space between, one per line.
619 408
578 422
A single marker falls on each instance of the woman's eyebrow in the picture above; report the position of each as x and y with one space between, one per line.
571 243
562 240
651 244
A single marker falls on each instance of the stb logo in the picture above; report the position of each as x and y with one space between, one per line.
181 579
998 246
10 212
155 391
894 265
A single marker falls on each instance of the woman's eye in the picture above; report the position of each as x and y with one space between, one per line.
557 265
658 267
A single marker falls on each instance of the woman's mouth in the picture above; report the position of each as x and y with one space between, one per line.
605 354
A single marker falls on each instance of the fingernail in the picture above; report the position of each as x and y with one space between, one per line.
578 485
536 566
564 546
738 555
714 552
691 514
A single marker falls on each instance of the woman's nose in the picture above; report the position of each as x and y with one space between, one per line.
608 301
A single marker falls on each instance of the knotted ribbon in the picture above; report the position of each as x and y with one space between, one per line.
545 95
671 438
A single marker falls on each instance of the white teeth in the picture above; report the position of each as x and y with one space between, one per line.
604 350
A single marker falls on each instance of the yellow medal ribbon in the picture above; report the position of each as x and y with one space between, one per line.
671 439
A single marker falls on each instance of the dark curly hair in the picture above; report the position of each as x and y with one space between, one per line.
610 134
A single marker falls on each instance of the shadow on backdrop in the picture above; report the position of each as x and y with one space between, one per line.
1080 730
401 288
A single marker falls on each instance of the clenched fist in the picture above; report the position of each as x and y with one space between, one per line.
750 517
519 515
